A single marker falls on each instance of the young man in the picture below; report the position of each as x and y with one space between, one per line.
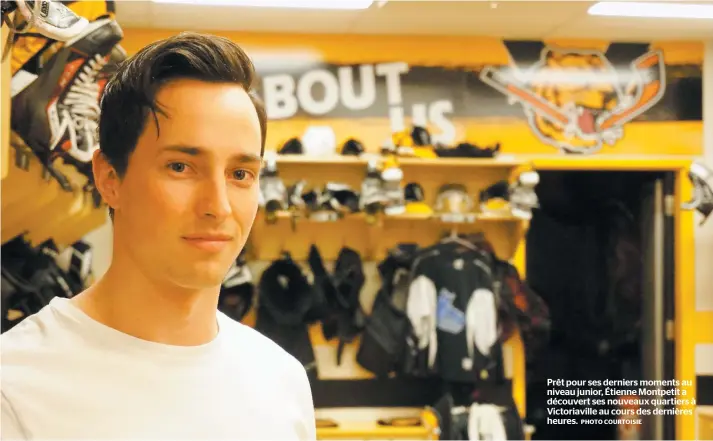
143 354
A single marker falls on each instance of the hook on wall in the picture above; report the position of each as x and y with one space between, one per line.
702 199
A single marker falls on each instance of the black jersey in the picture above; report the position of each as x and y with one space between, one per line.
453 313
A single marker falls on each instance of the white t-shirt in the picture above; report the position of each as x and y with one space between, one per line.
67 376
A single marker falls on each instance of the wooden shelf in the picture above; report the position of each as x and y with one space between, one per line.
539 162
319 160
503 161
479 217
361 424
5 103
607 162
371 430
474 173
705 422
372 240
34 204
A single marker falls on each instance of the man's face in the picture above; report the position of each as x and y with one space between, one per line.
190 194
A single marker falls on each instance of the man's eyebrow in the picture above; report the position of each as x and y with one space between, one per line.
198 151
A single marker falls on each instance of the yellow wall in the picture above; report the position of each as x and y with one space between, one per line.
704 257
4 109
514 133
425 50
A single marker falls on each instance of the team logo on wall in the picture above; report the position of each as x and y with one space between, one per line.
578 100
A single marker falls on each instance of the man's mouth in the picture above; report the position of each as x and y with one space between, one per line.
211 237
209 242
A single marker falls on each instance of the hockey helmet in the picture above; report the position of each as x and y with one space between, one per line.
453 199
420 136
414 196
352 147
293 146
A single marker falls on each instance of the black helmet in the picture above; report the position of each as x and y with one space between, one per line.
413 192
352 147
285 293
293 146
420 136
236 301
237 292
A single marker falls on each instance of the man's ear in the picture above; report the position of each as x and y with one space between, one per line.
106 179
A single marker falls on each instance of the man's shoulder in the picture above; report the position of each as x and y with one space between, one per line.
32 349
35 333
262 349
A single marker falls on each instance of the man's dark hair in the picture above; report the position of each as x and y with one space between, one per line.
129 97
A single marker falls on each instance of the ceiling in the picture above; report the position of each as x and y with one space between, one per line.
504 18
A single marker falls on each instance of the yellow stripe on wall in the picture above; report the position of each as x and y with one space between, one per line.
685 322
422 50
515 135
704 332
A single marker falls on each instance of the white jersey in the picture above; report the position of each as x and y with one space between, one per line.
67 376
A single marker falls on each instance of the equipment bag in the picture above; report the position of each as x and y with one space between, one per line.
383 343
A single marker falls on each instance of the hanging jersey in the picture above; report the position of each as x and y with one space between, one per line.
452 310
478 421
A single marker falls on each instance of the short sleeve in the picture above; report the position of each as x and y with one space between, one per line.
307 426
10 427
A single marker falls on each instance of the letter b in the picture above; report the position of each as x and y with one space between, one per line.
279 96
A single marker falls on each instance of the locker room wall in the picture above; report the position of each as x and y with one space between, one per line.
101 243
704 277
704 235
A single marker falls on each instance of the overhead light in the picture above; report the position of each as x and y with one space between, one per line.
652 10
294 4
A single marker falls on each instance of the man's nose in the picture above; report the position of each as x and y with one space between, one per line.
213 199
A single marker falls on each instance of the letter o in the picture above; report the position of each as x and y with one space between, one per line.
331 92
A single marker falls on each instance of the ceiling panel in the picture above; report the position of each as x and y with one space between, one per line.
508 19
225 18
637 29
135 14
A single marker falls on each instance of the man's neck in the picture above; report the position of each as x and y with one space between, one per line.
130 303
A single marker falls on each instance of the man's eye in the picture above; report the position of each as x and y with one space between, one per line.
178 167
240 174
